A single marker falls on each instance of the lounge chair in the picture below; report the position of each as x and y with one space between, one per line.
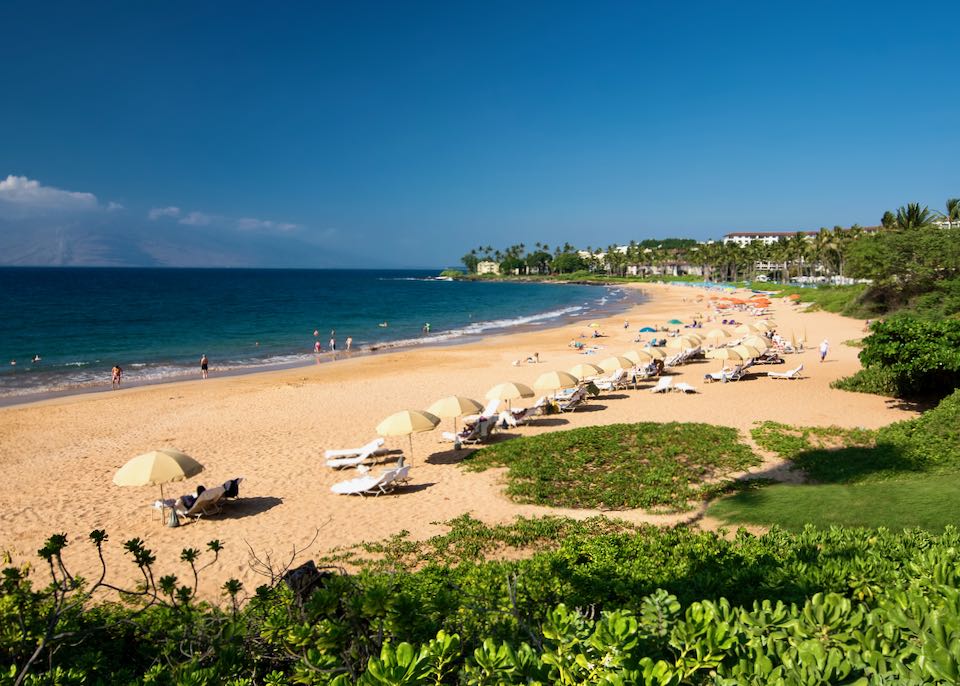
520 415
568 402
684 387
488 412
370 447
725 375
371 484
611 383
473 432
207 503
364 453
664 384
790 374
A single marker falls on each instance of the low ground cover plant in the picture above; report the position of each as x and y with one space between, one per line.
618 466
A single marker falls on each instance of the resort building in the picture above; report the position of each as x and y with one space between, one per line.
488 267
742 238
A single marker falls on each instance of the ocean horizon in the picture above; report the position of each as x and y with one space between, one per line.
156 323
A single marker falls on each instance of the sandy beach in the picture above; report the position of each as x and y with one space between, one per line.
59 456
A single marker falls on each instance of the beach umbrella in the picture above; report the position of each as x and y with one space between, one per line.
675 322
585 370
746 351
407 423
724 354
555 381
764 325
683 342
655 353
647 329
746 328
793 296
717 335
454 406
612 364
639 356
156 468
593 325
509 391
758 342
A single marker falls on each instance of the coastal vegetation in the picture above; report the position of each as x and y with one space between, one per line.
619 466
571 603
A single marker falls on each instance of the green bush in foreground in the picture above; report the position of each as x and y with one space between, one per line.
655 607
617 466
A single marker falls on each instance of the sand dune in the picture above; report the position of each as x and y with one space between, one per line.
59 456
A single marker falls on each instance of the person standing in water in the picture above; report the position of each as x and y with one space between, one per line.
204 366
117 375
349 343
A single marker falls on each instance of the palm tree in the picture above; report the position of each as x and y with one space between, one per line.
912 216
952 215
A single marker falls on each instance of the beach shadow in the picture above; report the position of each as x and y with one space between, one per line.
547 421
247 507
412 488
613 396
451 456
590 407
913 404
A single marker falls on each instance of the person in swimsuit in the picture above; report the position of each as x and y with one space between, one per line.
204 366
117 375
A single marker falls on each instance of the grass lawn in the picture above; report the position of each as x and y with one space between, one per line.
927 501
620 466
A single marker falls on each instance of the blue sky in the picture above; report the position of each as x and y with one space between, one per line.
404 133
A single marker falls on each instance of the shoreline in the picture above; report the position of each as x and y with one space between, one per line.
272 428
596 310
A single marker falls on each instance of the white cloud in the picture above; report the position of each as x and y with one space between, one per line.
23 195
157 212
114 206
252 224
197 219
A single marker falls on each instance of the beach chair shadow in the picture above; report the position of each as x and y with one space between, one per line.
247 507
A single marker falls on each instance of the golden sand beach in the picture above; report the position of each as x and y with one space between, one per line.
59 456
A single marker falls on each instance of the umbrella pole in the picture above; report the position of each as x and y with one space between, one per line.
410 436
161 504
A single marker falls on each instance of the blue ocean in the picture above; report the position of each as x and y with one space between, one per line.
156 323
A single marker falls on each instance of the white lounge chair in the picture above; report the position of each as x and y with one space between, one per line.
207 503
684 387
790 374
364 453
371 484
490 411
725 375
473 432
613 381
373 445
663 384
568 402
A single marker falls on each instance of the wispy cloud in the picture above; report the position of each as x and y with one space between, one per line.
197 218
158 212
20 195
252 224
114 206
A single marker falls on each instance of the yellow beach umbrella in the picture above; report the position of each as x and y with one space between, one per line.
655 353
758 342
454 406
407 423
585 370
746 328
640 356
683 342
747 352
612 364
509 390
156 468
724 354
716 336
765 325
555 381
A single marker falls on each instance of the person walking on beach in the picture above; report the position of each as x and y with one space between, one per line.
824 349
117 375
349 343
204 366
316 347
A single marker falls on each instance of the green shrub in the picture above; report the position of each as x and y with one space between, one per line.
617 466
875 380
